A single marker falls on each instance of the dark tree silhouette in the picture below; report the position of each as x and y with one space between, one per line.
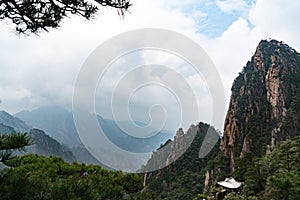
32 16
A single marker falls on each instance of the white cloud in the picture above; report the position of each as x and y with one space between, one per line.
230 6
14 94
277 19
40 70
269 19
231 51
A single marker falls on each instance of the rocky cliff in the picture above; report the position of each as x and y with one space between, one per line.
184 177
262 111
171 150
47 146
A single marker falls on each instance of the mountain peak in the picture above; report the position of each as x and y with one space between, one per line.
261 98
273 44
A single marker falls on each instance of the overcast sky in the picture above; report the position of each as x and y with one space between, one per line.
41 70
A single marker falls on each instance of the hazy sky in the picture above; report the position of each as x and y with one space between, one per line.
41 70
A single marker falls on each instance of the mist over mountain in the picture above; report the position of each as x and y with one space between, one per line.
13 122
59 124
131 143
56 121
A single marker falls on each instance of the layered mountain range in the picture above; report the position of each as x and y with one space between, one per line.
263 113
58 123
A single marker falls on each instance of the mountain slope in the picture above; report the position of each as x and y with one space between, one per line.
47 146
184 178
14 122
42 143
263 113
5 129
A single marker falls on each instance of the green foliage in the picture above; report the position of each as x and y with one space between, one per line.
242 165
275 176
31 16
232 196
291 123
254 177
184 178
283 185
235 196
11 142
219 164
38 177
200 197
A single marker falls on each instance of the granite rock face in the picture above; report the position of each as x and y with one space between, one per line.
261 97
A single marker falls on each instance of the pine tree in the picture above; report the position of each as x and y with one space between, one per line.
32 16
12 142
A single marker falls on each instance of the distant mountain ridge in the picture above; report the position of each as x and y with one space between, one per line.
42 143
5 129
59 124
130 143
56 121
47 146
14 122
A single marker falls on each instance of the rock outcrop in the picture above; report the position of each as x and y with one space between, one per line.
171 150
261 97
183 178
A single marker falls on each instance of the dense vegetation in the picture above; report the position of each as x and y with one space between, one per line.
275 176
184 178
38 177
